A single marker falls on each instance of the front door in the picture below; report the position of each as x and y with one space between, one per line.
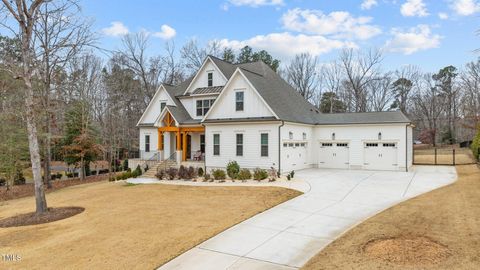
189 146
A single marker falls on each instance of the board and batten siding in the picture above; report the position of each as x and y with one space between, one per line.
153 132
357 135
297 131
153 110
201 80
251 145
253 104
190 104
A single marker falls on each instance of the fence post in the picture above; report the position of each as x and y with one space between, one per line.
453 157
435 156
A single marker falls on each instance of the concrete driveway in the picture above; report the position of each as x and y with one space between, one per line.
288 235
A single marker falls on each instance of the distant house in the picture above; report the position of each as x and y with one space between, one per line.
248 113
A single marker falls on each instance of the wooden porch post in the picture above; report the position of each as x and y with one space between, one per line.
184 144
160 141
179 141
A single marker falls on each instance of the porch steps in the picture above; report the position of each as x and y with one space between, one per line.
162 165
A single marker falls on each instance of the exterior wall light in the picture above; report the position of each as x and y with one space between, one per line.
333 136
379 136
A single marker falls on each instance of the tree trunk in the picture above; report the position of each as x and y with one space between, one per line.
40 200
82 169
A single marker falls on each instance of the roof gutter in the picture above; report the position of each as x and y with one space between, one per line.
280 146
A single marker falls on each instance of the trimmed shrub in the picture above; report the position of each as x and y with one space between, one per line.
137 172
182 172
219 174
289 177
260 174
161 174
69 175
200 172
191 172
232 169
172 173
59 175
19 179
207 177
244 174
292 174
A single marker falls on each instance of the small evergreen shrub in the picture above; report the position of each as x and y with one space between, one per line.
191 173
244 174
233 169
219 174
292 174
125 164
289 177
207 177
200 172
182 172
137 172
260 174
172 173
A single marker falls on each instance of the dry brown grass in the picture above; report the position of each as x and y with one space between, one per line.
129 227
449 216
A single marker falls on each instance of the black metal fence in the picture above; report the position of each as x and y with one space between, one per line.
443 156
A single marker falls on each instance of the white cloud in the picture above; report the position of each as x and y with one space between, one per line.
368 4
116 29
339 24
286 45
166 32
443 15
414 8
465 7
415 39
256 3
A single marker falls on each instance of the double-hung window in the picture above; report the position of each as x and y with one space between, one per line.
203 106
147 143
216 144
163 104
210 79
239 144
264 144
202 143
239 96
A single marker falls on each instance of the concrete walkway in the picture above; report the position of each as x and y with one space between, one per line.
288 235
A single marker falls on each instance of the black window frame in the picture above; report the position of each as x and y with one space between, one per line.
263 146
239 144
147 143
239 104
202 143
163 104
216 147
210 79
205 105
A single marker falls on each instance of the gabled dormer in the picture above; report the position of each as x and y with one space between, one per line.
209 75
159 102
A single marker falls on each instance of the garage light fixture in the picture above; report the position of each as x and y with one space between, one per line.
333 136
379 136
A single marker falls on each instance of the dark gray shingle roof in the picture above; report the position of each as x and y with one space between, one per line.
363 118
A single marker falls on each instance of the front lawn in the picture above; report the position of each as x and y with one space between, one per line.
129 227
438 230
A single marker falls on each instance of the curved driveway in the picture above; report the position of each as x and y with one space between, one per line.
288 235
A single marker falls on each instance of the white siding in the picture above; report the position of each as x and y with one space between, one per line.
153 110
357 135
201 80
410 146
153 132
225 105
297 131
251 145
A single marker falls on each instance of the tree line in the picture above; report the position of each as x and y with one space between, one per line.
62 97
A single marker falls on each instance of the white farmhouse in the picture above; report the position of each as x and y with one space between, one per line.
248 113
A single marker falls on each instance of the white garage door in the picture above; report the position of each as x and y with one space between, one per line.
333 155
380 156
295 156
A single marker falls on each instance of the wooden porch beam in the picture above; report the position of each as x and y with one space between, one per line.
192 129
168 129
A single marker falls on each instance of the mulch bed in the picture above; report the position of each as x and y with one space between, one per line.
26 190
53 214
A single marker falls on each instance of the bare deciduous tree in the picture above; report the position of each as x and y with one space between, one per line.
302 74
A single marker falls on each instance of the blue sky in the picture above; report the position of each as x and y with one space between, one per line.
427 33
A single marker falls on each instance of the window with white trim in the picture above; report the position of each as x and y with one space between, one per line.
147 143
239 144
290 135
216 144
163 104
264 144
203 106
210 79
239 100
